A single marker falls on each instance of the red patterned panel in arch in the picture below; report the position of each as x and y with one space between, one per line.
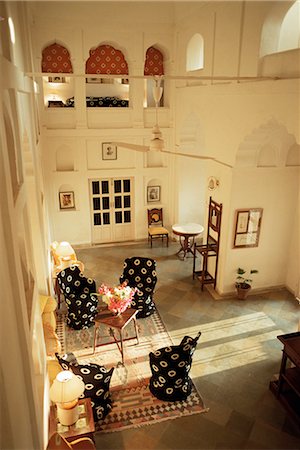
107 60
154 63
56 59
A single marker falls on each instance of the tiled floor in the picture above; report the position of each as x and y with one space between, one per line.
237 355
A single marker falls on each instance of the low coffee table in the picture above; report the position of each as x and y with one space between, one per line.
119 323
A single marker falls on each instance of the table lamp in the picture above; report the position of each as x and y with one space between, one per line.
65 390
64 249
65 253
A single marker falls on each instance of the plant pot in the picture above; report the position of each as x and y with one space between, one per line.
243 292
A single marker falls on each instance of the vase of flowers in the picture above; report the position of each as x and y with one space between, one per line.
118 298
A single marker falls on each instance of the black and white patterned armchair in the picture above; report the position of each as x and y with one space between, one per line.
78 291
141 273
170 368
96 380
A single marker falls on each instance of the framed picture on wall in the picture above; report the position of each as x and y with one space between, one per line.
66 200
153 193
109 150
247 227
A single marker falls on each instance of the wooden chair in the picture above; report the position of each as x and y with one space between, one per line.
156 227
211 248
58 442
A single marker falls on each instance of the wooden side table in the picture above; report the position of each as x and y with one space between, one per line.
119 323
187 234
287 387
84 426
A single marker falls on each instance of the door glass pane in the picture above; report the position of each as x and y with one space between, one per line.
126 185
126 201
95 187
105 203
105 187
118 216
97 219
96 203
118 186
118 202
127 216
106 220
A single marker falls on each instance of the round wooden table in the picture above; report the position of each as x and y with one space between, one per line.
187 233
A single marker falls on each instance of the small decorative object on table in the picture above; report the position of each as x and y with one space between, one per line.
242 283
118 298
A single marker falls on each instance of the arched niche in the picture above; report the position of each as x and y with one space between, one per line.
267 146
267 156
289 36
65 159
154 158
271 30
56 58
154 192
195 53
106 59
153 66
192 136
293 156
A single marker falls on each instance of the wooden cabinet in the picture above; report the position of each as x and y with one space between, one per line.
287 387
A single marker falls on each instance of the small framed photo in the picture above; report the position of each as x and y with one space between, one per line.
56 80
109 150
153 193
66 200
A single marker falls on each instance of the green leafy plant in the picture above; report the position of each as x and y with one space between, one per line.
243 281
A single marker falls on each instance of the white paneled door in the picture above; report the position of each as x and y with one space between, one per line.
112 210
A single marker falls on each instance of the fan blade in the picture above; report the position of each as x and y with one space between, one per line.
138 148
189 155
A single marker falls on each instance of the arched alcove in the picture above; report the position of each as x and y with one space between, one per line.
192 136
289 37
267 156
273 24
195 53
57 59
154 192
153 66
65 159
293 156
106 59
267 146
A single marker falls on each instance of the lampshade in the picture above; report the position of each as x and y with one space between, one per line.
65 390
66 387
64 249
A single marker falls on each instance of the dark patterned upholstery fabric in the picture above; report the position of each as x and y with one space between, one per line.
170 368
99 102
96 379
78 291
141 273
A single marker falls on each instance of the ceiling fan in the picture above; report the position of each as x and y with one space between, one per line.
157 143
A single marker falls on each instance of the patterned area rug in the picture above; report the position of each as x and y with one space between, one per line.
133 403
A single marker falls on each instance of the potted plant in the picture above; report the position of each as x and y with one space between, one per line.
243 282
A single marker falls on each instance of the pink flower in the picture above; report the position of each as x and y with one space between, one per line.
119 298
